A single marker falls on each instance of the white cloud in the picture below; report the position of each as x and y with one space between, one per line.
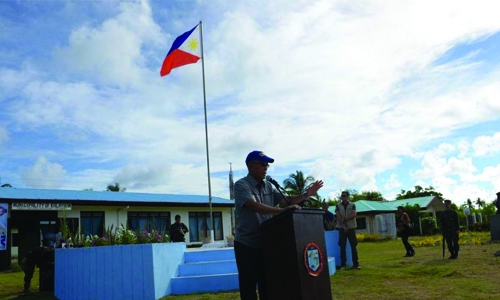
140 176
491 174
347 89
459 166
486 145
112 52
456 178
437 165
463 148
392 183
43 175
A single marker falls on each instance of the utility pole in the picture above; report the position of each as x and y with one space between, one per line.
231 182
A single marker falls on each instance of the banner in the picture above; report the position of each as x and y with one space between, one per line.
3 225
40 206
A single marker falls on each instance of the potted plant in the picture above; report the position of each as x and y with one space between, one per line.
206 240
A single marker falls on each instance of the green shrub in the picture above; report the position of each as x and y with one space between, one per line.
428 226
15 267
483 226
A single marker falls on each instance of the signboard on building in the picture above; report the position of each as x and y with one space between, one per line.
3 225
40 206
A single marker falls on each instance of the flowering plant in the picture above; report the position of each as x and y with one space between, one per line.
154 236
122 236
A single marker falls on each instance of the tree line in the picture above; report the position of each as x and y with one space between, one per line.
297 183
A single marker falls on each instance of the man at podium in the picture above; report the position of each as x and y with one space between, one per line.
256 200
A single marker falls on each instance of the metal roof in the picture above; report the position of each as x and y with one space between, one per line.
391 206
16 194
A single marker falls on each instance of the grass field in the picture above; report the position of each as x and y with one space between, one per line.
11 287
385 274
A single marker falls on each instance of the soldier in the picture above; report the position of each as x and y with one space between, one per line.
451 229
43 257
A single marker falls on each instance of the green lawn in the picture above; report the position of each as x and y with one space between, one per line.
12 283
385 274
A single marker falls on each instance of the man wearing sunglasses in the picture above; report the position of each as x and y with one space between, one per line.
256 200
346 224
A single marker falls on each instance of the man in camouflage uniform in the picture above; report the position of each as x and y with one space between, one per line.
451 229
43 257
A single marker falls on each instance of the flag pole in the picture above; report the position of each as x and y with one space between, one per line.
206 133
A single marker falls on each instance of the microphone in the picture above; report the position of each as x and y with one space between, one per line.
273 182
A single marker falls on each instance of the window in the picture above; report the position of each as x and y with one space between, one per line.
361 222
149 221
48 230
199 226
92 223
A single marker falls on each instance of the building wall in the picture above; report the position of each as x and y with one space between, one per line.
373 226
117 215
369 224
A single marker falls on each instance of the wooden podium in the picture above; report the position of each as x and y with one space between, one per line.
295 255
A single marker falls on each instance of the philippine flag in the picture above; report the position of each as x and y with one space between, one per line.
185 50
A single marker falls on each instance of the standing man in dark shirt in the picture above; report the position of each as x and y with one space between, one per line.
346 223
256 200
328 218
178 231
451 229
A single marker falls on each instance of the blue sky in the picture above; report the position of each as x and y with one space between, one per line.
364 95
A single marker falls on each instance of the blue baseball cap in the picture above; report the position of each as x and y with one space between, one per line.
258 155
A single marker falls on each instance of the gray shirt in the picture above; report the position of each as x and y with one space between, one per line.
247 221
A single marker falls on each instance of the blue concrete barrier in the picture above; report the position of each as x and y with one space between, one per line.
333 248
132 272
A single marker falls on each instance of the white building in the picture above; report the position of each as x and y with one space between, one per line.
36 214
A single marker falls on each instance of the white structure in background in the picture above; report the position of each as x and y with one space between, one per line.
385 225
368 210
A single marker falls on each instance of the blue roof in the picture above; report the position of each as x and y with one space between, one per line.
7 193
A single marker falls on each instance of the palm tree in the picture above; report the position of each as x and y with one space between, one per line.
297 184
469 203
115 188
480 203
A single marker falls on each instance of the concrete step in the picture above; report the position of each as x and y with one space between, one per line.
200 255
208 268
205 284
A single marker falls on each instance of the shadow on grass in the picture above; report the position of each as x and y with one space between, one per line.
32 296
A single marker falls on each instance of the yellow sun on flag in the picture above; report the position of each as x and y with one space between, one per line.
193 44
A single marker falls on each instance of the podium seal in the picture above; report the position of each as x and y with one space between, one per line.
313 258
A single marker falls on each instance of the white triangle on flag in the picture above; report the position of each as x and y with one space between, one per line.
192 44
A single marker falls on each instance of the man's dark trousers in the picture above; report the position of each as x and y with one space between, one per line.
343 237
251 271
452 241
